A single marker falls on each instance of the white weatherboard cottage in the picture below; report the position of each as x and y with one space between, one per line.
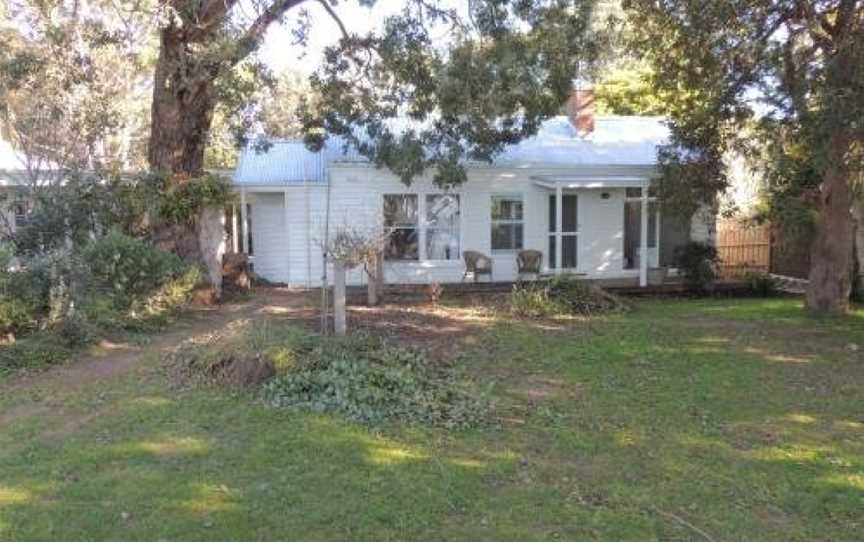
578 189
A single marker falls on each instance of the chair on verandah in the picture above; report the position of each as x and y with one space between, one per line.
477 263
528 263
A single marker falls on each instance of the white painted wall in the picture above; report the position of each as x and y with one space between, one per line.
357 194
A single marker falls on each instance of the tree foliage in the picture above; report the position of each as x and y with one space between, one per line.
411 103
794 69
72 86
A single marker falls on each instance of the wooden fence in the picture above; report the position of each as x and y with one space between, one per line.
743 248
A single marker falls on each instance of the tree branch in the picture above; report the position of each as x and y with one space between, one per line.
252 38
336 19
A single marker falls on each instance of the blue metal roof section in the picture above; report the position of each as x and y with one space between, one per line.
616 140
286 161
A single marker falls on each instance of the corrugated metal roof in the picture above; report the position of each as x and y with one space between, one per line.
615 141
286 162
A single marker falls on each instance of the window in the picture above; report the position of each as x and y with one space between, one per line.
400 220
507 222
20 211
442 227
569 231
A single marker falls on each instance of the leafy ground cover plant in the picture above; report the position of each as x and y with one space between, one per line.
360 377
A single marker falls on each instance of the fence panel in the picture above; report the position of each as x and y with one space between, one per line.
743 248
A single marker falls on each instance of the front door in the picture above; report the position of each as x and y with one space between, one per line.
569 232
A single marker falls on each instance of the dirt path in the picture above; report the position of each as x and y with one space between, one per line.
109 359
420 324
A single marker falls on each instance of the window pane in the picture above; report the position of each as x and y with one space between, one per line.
442 211
517 236
571 213
568 249
634 192
400 210
402 245
570 208
652 224
442 244
506 208
502 237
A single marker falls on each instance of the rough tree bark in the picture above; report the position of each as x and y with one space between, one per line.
191 59
831 253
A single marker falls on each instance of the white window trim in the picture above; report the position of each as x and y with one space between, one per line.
492 221
423 226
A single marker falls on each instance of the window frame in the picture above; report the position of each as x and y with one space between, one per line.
416 227
19 219
512 196
423 234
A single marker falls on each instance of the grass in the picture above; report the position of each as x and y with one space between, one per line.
683 420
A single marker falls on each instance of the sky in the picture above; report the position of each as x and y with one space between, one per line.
280 54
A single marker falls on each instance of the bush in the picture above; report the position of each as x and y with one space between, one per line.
761 284
24 298
33 352
562 295
370 381
697 263
129 270
15 316
76 331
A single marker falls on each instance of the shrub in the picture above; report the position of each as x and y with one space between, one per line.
761 284
371 381
562 295
534 300
128 269
697 263
32 352
76 331
15 316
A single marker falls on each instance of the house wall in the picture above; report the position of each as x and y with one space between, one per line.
356 200
292 254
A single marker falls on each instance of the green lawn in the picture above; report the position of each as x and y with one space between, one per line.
684 420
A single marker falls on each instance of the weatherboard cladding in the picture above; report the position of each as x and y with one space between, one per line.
616 141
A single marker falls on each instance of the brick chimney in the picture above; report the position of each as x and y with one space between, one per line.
580 109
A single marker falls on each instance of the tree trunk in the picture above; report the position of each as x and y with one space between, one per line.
181 115
831 253
182 109
340 325
372 285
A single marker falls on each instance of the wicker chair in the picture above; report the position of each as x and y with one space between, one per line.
529 262
477 264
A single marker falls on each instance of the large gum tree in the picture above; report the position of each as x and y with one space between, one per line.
791 68
473 78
